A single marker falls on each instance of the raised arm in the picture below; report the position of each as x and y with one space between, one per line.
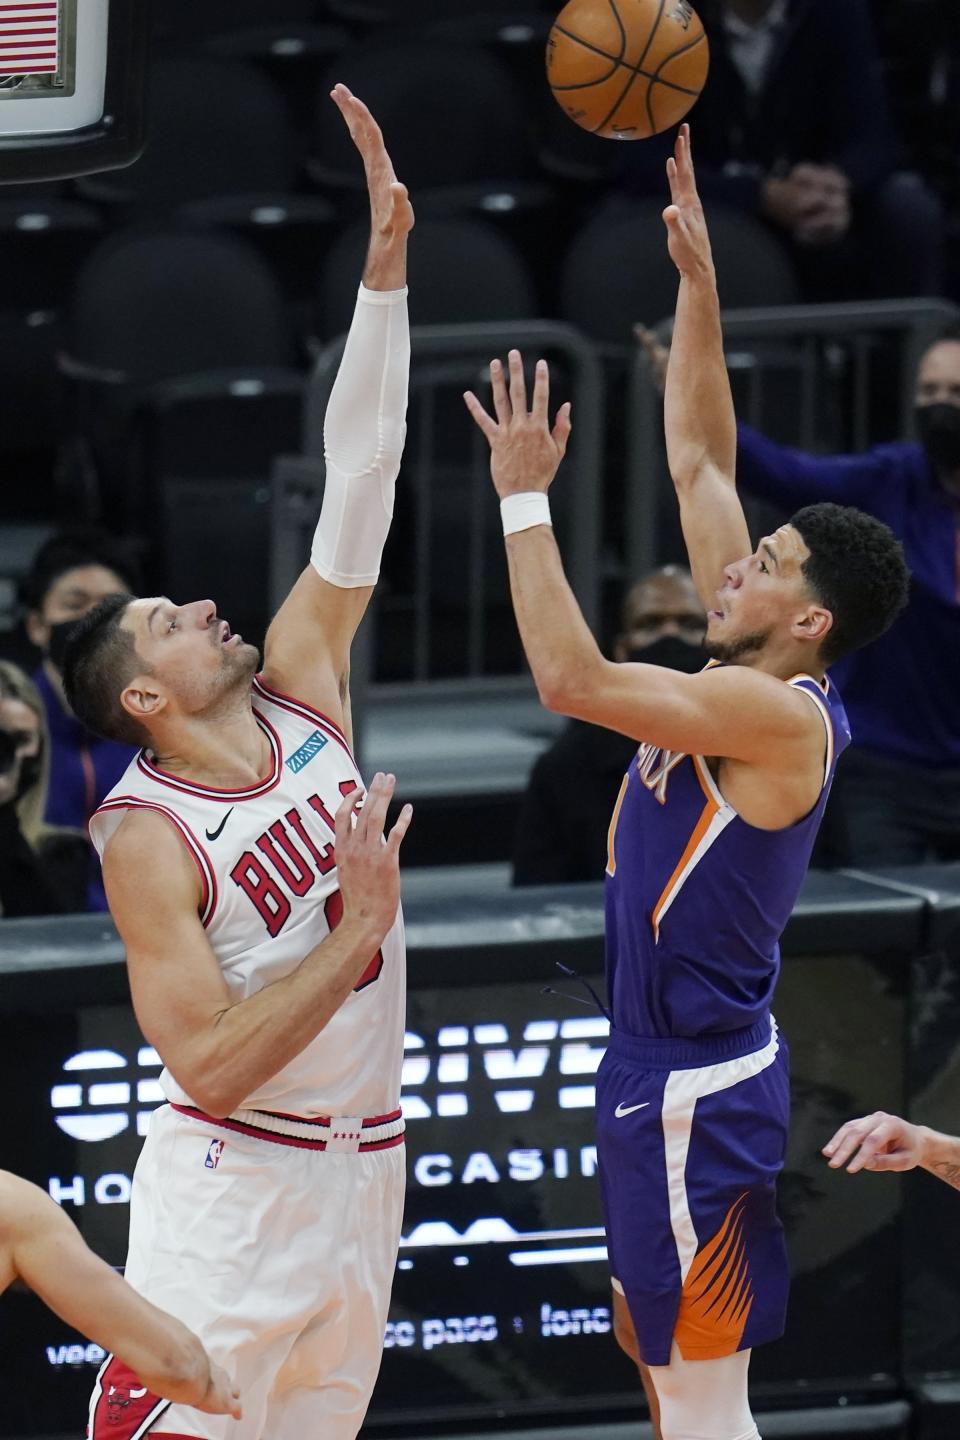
43 1248
698 412
307 650
221 1048
728 710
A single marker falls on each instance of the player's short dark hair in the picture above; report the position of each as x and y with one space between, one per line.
856 568
101 658
71 550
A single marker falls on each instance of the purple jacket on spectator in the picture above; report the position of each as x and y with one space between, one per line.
901 692
83 769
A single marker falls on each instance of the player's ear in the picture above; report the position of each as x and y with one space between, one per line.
141 699
814 624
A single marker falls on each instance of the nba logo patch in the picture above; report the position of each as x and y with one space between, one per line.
213 1154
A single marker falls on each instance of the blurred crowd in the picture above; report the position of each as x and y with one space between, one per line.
828 155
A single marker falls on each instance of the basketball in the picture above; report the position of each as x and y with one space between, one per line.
627 69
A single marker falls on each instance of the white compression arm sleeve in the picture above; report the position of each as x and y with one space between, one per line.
363 433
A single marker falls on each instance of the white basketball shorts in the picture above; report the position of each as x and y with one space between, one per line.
280 1258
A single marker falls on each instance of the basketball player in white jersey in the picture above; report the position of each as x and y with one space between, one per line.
43 1250
260 914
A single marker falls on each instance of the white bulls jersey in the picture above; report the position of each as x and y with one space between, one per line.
269 879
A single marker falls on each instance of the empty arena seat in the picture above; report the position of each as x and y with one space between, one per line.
217 127
181 359
460 271
155 305
618 270
185 20
451 116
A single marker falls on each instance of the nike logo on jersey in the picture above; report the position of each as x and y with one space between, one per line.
622 1109
215 834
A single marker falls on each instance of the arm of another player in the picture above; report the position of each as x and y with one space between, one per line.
46 1252
887 1142
220 1049
307 651
698 415
731 710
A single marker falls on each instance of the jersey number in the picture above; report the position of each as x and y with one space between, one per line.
333 909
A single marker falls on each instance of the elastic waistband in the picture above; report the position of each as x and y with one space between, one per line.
690 1052
343 1134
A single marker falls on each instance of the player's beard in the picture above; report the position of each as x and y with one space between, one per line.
730 651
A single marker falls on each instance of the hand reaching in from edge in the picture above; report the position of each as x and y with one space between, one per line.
876 1142
525 453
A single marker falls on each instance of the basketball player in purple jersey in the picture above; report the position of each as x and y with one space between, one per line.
708 846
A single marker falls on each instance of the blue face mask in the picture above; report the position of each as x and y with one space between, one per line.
57 642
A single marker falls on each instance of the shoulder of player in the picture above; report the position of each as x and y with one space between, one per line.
146 854
786 709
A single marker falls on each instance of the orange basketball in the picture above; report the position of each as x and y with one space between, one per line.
627 69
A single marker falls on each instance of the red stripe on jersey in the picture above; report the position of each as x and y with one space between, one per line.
306 712
256 1133
213 792
208 877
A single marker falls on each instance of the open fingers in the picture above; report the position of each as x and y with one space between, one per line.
371 822
562 427
518 384
485 422
502 406
400 827
343 820
541 392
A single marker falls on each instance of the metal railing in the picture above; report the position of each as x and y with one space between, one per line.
814 376
442 606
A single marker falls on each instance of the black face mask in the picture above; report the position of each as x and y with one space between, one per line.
939 429
672 653
57 643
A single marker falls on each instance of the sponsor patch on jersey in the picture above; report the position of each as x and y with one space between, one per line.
308 751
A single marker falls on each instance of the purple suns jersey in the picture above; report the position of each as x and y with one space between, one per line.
697 899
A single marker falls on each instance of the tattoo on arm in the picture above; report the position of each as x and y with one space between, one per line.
950 1173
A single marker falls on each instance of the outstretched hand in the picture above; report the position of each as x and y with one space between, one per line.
687 238
876 1142
391 214
525 452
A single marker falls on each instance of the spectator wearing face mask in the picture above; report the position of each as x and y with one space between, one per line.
562 830
896 797
43 871
898 789
71 573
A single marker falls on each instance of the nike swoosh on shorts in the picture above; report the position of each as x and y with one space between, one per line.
622 1109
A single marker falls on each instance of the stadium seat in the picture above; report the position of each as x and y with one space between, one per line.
452 116
618 271
460 271
182 364
218 127
184 21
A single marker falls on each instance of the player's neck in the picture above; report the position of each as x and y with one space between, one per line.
783 665
229 751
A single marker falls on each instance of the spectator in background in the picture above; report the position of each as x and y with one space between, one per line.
896 798
793 126
562 830
43 871
72 572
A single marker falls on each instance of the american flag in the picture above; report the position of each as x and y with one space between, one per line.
29 38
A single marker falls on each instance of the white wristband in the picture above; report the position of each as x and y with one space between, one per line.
522 512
